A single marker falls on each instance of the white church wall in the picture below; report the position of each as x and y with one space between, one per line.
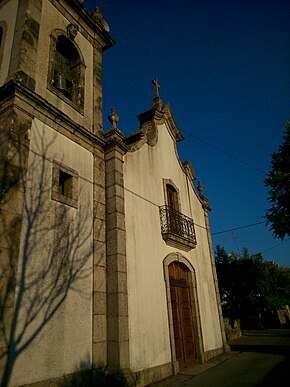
148 320
56 253
210 324
144 172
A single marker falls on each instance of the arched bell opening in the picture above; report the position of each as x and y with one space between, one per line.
66 69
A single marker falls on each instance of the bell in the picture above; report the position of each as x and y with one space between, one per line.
60 82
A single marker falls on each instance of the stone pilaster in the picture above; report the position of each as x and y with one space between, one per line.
117 292
99 268
25 44
97 90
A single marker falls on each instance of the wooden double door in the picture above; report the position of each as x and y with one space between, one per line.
182 314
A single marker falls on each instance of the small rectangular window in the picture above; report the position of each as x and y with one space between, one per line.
64 185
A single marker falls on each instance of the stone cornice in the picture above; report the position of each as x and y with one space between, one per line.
169 119
115 140
188 169
35 106
148 132
152 114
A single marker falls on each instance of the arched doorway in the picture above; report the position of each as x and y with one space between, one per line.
181 304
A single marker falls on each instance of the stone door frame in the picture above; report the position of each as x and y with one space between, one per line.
178 257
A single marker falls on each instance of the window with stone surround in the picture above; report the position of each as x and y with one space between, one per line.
171 195
177 229
64 185
66 70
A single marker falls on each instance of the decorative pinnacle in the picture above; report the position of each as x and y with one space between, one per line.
98 16
113 118
200 188
203 198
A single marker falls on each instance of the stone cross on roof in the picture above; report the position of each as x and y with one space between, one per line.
156 87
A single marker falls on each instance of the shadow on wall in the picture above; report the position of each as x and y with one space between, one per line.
54 256
97 377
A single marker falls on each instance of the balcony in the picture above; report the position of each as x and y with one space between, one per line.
177 229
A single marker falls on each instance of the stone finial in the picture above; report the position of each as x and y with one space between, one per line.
113 118
200 188
203 198
114 134
98 16
157 101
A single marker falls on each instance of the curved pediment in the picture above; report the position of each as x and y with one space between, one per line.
148 132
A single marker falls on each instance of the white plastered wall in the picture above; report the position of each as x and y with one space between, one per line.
8 13
144 171
64 342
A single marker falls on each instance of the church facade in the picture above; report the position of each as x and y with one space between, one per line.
105 247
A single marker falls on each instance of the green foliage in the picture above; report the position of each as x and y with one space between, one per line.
249 286
278 216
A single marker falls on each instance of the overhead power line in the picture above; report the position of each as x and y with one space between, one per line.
226 153
273 247
238 228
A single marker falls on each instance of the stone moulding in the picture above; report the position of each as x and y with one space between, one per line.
178 242
148 132
108 41
38 107
189 171
170 121
151 375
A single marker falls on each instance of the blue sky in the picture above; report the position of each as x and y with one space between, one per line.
224 67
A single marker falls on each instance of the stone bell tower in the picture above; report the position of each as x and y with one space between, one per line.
54 48
52 183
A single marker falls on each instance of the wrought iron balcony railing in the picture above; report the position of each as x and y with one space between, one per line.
176 228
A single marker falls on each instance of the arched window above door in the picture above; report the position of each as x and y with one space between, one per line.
171 193
177 229
172 197
66 70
